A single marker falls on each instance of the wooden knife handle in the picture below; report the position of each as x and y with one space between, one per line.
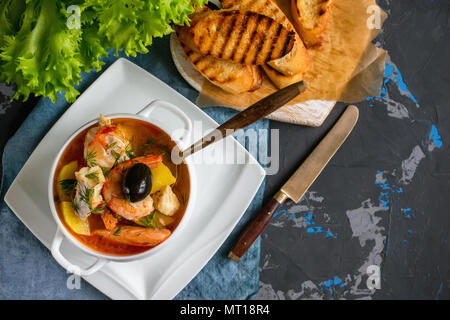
254 229
258 110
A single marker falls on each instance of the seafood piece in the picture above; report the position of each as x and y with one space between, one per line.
109 220
90 176
166 201
114 197
88 198
106 145
136 236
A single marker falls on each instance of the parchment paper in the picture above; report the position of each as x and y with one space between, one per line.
347 67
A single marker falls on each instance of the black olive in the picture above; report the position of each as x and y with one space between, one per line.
137 182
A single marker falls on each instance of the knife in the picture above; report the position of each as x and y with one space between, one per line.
300 181
258 110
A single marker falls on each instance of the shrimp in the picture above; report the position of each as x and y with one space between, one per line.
113 195
106 144
136 236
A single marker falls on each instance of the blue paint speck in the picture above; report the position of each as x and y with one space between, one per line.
332 283
314 230
435 137
391 73
329 234
388 190
407 212
308 217
439 292
278 213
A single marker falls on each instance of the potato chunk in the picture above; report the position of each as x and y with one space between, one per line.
166 201
67 173
73 220
162 176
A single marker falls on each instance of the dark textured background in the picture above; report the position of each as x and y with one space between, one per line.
383 199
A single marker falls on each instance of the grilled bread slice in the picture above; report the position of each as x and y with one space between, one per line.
239 36
279 79
297 60
232 77
311 19
266 7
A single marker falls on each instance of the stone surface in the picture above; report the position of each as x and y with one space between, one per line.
383 199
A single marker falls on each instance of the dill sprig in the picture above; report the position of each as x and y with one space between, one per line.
165 150
116 155
105 171
68 185
148 221
74 205
111 145
117 232
85 196
99 209
90 158
92 175
129 149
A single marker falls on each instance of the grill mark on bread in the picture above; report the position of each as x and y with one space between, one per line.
272 38
195 60
228 13
229 30
274 70
255 27
243 28
287 42
235 39
213 42
258 41
272 45
227 38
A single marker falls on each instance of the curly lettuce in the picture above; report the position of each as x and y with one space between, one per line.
44 57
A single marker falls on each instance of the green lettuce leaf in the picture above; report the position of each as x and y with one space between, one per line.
44 57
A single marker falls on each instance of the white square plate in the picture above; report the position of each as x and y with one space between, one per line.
224 191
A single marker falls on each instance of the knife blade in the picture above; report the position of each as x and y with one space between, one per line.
258 110
300 181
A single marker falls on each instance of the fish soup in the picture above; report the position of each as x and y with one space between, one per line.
117 190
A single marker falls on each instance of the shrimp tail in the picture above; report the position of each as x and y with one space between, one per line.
151 161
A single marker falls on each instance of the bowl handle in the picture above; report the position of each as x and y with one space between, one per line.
181 137
56 253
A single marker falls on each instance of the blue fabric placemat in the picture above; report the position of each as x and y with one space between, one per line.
27 269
